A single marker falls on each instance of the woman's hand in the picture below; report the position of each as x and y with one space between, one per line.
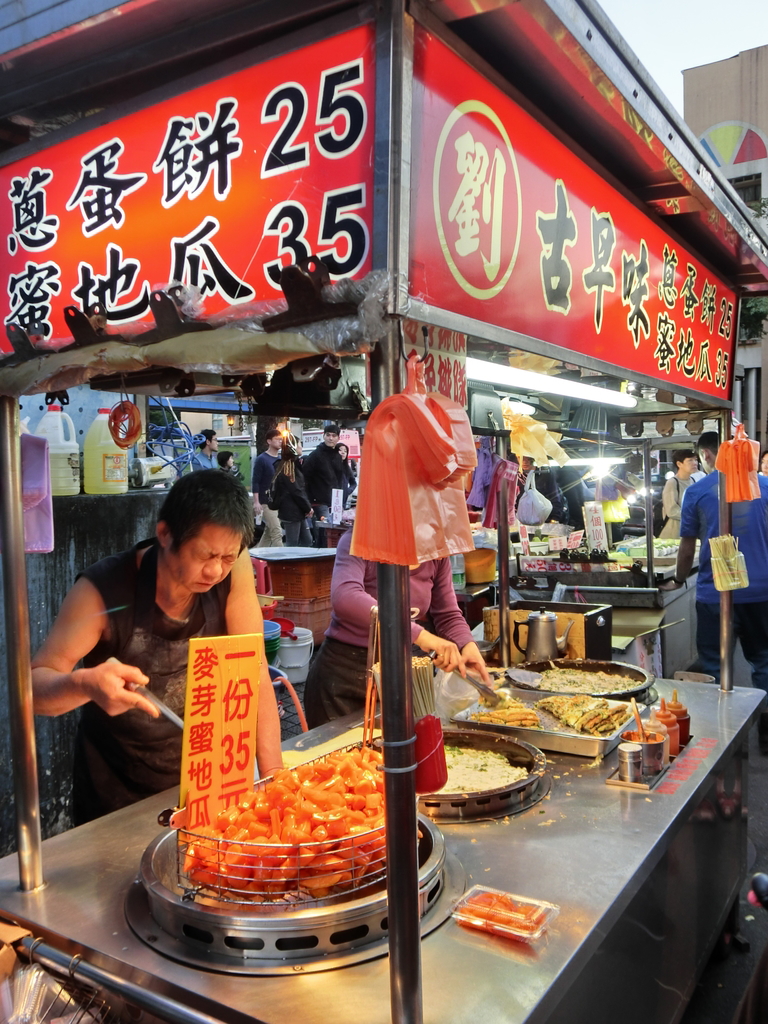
474 661
446 654
110 686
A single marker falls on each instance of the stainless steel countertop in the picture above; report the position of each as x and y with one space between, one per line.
588 847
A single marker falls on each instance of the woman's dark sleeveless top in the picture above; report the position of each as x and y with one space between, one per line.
123 758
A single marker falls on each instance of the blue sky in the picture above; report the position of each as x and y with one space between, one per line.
670 35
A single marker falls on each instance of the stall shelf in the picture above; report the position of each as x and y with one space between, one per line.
645 879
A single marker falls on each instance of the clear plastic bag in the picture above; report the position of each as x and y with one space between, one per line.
452 695
533 509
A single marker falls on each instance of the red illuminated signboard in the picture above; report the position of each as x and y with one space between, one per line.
216 188
509 227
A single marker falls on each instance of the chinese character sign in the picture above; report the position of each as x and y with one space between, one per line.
220 722
522 234
597 535
217 188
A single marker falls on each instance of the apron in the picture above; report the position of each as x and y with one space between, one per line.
123 758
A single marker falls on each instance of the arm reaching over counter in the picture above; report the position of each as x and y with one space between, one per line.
336 680
128 619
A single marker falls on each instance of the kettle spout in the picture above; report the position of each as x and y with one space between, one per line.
562 640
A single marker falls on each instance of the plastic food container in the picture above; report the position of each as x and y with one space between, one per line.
503 913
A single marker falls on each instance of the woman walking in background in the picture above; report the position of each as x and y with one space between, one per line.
349 479
289 498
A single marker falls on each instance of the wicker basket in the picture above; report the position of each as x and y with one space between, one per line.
296 580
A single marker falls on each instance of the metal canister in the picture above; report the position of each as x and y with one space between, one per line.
630 762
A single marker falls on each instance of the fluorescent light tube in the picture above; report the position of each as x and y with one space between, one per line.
525 380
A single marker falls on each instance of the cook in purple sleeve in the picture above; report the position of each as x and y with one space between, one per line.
336 681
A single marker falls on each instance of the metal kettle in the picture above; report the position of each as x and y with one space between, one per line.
543 642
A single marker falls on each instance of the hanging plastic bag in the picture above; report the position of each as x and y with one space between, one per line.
738 460
411 505
533 509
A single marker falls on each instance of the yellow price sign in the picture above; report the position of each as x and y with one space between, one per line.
220 721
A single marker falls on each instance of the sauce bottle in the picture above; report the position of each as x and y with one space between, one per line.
669 721
655 725
680 711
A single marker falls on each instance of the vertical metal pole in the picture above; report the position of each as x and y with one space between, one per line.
505 652
647 484
22 723
400 792
726 596
394 62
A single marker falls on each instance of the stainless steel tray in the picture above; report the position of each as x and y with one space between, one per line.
553 735
489 803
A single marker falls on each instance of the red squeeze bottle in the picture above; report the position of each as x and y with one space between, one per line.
680 711
665 716
431 769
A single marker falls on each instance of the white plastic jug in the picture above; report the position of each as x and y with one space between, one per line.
105 463
63 449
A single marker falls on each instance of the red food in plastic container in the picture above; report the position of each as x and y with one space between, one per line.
504 913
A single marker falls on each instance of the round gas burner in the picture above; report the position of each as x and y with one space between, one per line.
272 939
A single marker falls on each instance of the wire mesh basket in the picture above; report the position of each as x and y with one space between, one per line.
39 997
242 867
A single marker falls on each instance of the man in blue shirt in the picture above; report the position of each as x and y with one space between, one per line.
700 520
205 458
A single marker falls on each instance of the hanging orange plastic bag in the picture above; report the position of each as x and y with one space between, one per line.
411 505
738 460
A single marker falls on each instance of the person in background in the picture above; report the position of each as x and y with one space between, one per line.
686 463
700 520
263 474
336 681
573 483
324 472
349 478
227 464
289 498
129 619
205 458
764 463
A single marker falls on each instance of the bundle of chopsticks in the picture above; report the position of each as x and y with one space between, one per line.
423 672
728 566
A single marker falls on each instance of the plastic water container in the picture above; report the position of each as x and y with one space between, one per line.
458 572
63 449
295 654
105 464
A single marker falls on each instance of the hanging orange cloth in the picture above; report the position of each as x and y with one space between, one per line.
410 504
738 460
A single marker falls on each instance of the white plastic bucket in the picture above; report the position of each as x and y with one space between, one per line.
63 449
295 654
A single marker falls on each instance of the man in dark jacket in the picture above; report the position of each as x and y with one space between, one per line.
324 472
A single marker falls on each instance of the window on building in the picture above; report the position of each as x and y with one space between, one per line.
749 187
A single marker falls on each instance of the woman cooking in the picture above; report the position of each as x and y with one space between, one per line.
336 681
129 619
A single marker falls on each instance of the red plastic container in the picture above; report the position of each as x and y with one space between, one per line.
431 769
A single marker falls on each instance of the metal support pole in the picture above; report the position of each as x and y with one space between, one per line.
22 722
647 484
726 596
400 792
141 996
505 653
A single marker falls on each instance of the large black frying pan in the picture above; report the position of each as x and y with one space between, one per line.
643 679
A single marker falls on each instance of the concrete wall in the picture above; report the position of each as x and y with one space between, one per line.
735 89
87 527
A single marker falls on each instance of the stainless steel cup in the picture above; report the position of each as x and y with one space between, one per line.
630 762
